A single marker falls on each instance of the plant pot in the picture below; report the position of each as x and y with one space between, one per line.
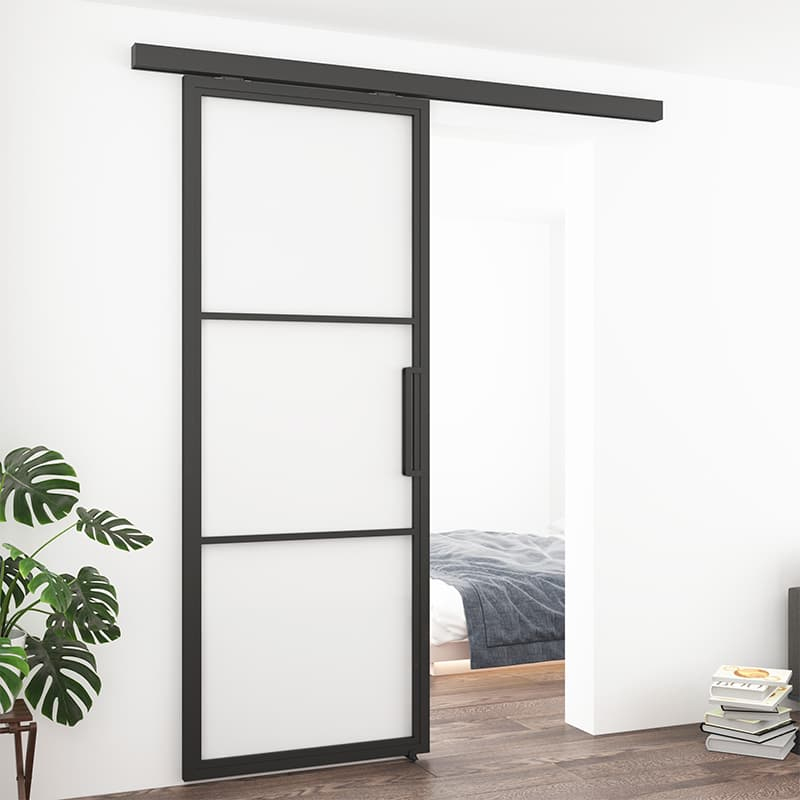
18 640
18 637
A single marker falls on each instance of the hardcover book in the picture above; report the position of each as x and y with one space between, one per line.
732 722
742 736
773 677
752 692
778 748
778 694
777 714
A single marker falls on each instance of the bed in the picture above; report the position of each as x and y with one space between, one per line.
496 598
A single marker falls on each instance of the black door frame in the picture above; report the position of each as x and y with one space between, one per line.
414 387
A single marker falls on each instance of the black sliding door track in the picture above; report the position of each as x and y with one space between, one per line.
208 63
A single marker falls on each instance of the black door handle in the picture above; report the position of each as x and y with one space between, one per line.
411 398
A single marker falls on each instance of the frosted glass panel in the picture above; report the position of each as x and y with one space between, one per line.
311 647
302 427
305 210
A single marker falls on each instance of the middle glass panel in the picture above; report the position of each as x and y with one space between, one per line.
302 427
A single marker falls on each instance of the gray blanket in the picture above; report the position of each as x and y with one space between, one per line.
512 585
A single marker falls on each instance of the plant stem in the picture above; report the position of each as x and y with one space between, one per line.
52 539
10 624
2 585
7 602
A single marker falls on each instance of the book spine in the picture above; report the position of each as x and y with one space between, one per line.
748 695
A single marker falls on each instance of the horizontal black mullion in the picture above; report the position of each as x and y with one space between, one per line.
311 535
306 318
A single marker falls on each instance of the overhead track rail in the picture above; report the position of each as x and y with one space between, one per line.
208 63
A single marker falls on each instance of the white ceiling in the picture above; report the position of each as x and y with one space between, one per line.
750 39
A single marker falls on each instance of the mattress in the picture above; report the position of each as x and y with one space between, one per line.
448 620
502 591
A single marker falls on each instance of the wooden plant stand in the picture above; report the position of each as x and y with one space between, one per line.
18 721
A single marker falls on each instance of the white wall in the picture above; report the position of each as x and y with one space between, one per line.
495 207
698 435
682 438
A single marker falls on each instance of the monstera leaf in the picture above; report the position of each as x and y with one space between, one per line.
104 527
60 672
38 480
56 592
13 667
92 614
12 580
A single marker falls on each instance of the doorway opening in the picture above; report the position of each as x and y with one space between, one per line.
502 206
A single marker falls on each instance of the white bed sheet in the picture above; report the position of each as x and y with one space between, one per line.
448 620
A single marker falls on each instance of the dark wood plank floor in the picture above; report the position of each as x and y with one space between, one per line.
500 735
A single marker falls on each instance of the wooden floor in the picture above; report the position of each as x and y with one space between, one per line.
500 735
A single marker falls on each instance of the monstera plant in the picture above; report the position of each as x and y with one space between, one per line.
52 660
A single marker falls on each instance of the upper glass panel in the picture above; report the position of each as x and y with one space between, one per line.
306 210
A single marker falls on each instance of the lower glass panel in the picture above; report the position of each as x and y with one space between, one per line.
305 644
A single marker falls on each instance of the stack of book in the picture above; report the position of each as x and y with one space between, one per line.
747 717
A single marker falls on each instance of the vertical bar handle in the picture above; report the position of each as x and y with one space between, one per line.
411 466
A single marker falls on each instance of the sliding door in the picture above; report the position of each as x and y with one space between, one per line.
305 427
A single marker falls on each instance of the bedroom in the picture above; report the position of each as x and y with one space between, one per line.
497 389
